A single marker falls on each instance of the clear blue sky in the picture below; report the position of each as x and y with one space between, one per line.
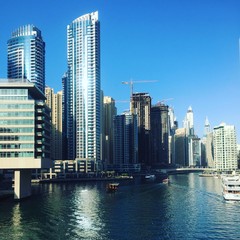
190 46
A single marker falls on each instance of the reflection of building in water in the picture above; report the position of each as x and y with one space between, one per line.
24 132
16 216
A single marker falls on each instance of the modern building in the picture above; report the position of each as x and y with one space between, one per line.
159 136
64 115
225 147
109 112
207 146
173 125
141 106
181 156
125 143
54 102
73 169
207 128
188 122
24 132
209 150
83 85
26 56
194 152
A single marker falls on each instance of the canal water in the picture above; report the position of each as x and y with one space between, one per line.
190 207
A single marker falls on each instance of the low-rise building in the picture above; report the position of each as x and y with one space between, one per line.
24 132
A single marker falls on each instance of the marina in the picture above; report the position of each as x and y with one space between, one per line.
190 207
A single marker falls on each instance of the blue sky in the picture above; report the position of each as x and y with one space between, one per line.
190 46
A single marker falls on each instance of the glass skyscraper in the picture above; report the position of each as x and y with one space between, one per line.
26 56
83 94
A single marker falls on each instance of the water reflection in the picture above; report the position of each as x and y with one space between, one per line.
17 226
189 208
16 215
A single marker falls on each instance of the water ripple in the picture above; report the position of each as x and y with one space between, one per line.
189 208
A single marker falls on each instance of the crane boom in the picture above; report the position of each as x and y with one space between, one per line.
131 82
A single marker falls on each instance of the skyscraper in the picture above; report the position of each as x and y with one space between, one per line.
188 122
125 142
180 139
141 106
225 147
159 136
83 88
207 127
26 56
54 102
109 112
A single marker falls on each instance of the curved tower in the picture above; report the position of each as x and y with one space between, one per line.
83 84
26 56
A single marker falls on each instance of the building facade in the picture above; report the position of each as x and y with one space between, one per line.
159 136
141 106
26 56
54 102
109 112
125 143
24 132
83 94
188 122
181 156
225 147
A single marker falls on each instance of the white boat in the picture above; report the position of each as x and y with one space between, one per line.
150 177
166 180
231 188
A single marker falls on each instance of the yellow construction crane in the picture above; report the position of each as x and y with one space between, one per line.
131 82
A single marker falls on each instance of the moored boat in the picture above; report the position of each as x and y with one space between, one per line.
150 178
231 188
112 187
166 180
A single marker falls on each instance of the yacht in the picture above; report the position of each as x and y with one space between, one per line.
231 188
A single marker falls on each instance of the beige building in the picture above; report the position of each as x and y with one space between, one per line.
54 102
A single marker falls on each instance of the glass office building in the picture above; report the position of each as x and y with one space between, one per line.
26 56
24 132
83 88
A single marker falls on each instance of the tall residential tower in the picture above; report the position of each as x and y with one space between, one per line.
54 102
141 106
26 56
83 88
225 147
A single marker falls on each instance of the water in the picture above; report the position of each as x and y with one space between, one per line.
190 207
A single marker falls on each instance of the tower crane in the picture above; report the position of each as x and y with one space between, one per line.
164 100
131 82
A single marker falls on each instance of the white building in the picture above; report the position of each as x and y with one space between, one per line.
225 147
188 122
83 94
